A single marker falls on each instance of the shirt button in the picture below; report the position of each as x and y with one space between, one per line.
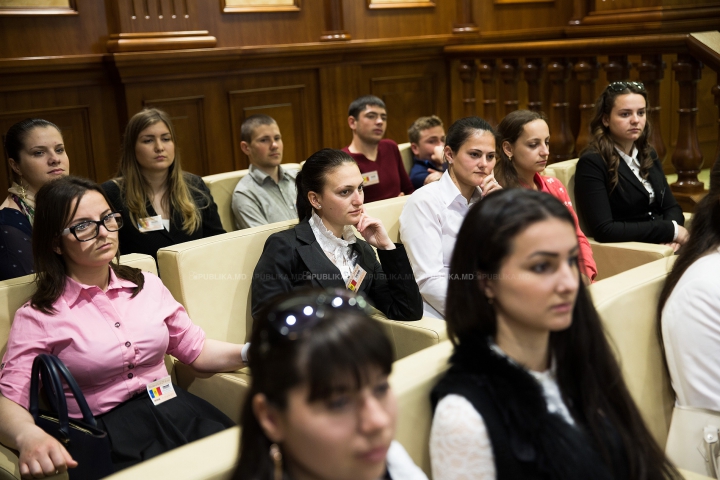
127 344
130 375
131 366
117 324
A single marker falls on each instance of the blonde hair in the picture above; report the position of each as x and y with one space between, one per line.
135 189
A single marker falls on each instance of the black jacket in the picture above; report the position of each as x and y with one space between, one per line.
293 259
133 240
527 441
624 215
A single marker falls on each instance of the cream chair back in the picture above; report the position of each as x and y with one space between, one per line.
627 304
406 154
565 172
388 211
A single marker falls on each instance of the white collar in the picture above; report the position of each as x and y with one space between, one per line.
449 192
629 159
327 240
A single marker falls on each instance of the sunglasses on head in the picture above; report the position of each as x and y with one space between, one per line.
620 86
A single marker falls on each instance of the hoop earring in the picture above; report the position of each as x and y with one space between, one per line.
276 457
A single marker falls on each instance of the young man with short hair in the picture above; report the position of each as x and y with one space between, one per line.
379 159
267 194
427 139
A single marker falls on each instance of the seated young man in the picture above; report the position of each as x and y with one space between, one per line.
379 159
427 139
267 194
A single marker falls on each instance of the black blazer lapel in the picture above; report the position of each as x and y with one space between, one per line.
366 257
656 178
317 263
628 174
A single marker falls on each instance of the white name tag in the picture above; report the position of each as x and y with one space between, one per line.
161 391
370 178
150 224
356 278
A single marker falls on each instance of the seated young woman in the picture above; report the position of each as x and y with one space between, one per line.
320 405
433 214
533 389
112 326
323 251
689 308
36 154
525 146
160 204
620 188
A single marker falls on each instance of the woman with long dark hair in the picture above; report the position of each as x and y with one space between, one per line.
689 308
111 325
620 188
160 203
320 405
533 390
36 153
323 251
524 150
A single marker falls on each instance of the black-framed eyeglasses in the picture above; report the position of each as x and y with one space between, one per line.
620 86
89 229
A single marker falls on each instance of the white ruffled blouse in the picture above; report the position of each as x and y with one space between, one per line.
338 250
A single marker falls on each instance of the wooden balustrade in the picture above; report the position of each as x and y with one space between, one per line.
556 61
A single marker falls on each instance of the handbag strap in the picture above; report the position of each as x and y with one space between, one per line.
53 386
88 417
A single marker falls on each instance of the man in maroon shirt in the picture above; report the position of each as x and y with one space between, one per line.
379 159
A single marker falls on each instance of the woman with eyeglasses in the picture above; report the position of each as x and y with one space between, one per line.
160 203
111 325
323 251
533 390
320 405
620 188
36 153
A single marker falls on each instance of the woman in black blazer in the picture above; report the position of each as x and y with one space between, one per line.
322 250
161 205
620 188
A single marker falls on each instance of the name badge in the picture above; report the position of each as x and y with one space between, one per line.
161 391
356 278
150 224
370 178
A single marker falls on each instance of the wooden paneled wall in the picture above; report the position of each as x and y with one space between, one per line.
209 69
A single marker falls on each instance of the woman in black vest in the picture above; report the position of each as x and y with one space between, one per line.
533 390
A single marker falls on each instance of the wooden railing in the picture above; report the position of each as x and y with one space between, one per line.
563 58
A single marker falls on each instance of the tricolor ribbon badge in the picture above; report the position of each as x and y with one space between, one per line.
155 392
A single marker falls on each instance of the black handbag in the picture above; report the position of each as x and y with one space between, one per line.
88 444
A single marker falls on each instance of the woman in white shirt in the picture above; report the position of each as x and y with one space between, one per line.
433 214
533 390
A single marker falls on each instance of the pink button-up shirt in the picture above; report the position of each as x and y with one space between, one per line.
112 344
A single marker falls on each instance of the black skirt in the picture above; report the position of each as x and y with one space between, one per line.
139 430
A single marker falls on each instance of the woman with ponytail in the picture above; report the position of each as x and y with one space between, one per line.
323 251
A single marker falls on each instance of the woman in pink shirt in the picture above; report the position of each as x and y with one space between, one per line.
524 138
112 326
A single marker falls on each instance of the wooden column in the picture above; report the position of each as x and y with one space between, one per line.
586 72
687 158
580 9
652 69
532 72
716 92
617 68
562 143
465 22
334 22
509 76
468 72
487 77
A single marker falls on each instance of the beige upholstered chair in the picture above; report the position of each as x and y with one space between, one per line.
611 258
222 186
627 304
13 294
388 211
406 155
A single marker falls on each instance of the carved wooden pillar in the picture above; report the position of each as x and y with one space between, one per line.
487 77
465 22
617 68
468 71
334 22
652 69
509 76
532 71
716 92
562 143
687 158
586 72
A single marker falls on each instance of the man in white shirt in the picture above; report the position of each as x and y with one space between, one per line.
267 194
